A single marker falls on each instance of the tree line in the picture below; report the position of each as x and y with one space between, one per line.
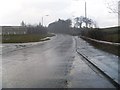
34 29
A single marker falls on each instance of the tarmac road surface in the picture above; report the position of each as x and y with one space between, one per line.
51 64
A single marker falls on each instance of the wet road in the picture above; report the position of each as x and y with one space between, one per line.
51 64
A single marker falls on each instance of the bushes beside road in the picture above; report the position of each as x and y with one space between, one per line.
105 34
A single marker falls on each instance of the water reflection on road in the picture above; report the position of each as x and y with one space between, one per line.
51 64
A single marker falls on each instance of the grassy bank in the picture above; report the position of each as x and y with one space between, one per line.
105 47
25 38
108 48
111 34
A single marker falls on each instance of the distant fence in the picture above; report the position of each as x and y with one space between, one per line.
6 30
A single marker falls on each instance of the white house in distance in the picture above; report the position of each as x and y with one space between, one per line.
6 30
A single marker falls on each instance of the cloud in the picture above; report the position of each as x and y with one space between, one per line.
31 11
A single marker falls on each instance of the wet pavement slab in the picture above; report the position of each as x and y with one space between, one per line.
107 62
51 64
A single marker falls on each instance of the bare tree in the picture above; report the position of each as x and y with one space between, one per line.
80 20
23 24
77 23
113 6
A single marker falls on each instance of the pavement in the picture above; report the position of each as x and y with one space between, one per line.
50 64
107 62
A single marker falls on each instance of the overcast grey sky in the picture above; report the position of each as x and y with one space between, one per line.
32 11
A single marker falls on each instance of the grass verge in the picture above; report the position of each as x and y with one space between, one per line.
25 38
